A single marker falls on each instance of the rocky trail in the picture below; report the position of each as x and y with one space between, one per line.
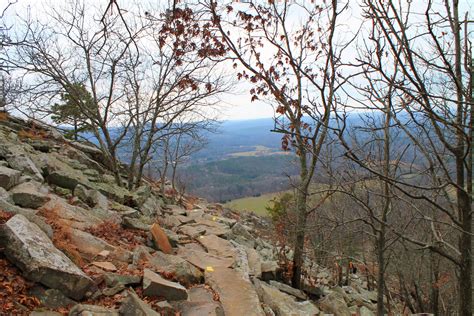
72 242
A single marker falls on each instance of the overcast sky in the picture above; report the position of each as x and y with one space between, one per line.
235 106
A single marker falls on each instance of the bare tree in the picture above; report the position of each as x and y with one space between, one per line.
428 67
294 67
142 68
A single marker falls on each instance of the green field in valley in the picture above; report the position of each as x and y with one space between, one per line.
253 204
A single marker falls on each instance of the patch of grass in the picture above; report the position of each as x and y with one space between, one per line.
253 204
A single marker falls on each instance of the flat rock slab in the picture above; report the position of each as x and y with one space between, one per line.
237 295
29 248
212 227
289 290
192 231
155 285
204 260
217 246
284 304
161 239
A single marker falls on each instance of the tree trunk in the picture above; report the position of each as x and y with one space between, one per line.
465 243
434 295
380 272
301 200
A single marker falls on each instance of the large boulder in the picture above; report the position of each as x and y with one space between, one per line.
283 304
241 235
141 194
9 177
334 303
29 195
185 272
29 214
155 285
22 162
29 248
92 198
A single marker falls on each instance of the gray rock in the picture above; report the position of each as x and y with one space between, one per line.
23 163
283 304
155 285
141 194
30 249
134 306
364 311
269 270
150 207
241 235
111 291
92 198
29 214
51 298
255 262
9 177
185 272
5 196
135 223
335 304
187 308
29 195
92 310
175 210
112 279
289 290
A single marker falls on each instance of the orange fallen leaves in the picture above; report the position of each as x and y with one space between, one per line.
116 235
14 298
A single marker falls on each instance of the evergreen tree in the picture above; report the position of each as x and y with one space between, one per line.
77 107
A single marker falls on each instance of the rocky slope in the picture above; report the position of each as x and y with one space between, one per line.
73 242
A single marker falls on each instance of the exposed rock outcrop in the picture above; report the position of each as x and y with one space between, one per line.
85 240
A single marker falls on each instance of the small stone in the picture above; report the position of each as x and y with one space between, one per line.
111 291
105 265
104 253
112 279
92 310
